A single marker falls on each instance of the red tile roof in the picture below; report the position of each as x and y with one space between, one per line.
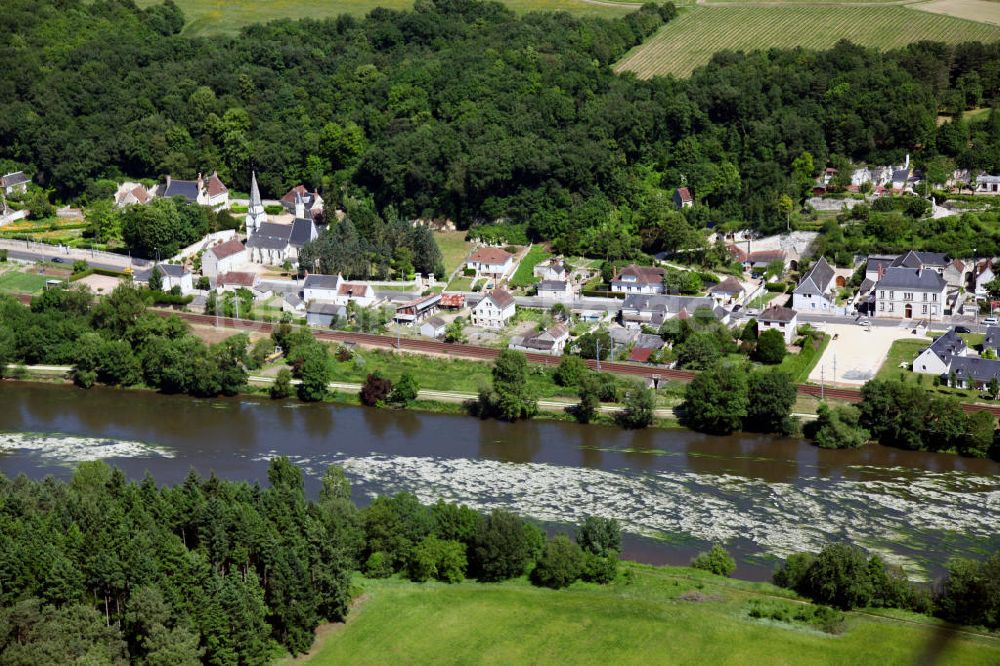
685 195
227 249
452 300
140 194
641 354
214 187
643 274
290 195
353 289
237 278
728 286
501 297
491 255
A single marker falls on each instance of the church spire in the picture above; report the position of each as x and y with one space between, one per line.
255 214
254 191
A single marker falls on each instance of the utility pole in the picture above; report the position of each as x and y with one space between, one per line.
598 340
822 382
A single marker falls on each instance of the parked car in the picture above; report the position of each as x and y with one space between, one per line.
58 260
962 329
990 321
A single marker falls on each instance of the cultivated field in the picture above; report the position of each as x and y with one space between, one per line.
228 16
659 616
986 11
691 39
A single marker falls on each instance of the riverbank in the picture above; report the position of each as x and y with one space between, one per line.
674 491
650 614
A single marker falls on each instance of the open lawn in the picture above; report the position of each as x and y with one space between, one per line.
901 351
22 282
454 249
691 39
525 274
228 16
650 616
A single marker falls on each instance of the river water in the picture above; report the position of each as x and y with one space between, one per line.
674 491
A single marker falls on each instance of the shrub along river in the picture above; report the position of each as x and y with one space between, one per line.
674 491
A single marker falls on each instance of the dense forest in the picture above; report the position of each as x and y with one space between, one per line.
460 109
101 570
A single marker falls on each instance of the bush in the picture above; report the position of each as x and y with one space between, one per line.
770 347
437 559
560 565
775 286
375 390
840 577
504 546
378 565
639 404
793 571
837 428
282 386
716 561
600 536
597 569
405 391
571 371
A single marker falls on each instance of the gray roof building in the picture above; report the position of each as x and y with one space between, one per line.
817 280
270 236
914 259
949 344
303 231
182 188
974 369
992 340
917 279
317 281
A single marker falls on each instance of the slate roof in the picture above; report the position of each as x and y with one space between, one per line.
913 259
911 278
227 249
817 280
270 236
316 281
174 270
552 285
491 255
302 232
949 344
182 188
975 368
293 299
992 340
778 313
436 322
327 308
665 302
12 179
900 175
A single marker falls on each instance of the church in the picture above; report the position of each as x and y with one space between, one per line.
271 243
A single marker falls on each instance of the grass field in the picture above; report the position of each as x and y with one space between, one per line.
901 351
454 249
22 282
801 364
525 274
651 616
228 16
691 39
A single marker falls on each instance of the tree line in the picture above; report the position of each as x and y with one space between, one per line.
100 569
461 109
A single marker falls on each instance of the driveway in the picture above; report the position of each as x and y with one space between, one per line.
857 354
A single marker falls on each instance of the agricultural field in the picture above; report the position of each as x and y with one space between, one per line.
690 40
985 11
228 16
651 615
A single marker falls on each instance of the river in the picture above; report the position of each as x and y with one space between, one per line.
674 491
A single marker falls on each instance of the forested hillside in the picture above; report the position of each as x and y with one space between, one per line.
462 110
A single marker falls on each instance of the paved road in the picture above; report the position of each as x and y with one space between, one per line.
37 252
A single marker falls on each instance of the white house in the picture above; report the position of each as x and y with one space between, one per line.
171 275
223 257
494 262
905 293
652 310
936 359
782 319
433 327
982 274
302 203
554 269
235 280
638 280
728 291
15 183
555 290
494 310
325 313
817 288
131 194
987 184
551 341
683 198
334 289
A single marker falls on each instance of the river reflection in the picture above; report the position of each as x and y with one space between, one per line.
674 490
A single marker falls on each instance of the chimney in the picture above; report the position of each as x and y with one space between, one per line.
168 180
300 206
201 182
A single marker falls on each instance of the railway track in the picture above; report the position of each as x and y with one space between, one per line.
488 353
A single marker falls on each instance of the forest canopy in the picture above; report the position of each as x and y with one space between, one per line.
463 110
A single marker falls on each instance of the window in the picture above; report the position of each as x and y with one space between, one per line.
881 294
890 307
881 306
907 295
925 295
934 298
923 309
